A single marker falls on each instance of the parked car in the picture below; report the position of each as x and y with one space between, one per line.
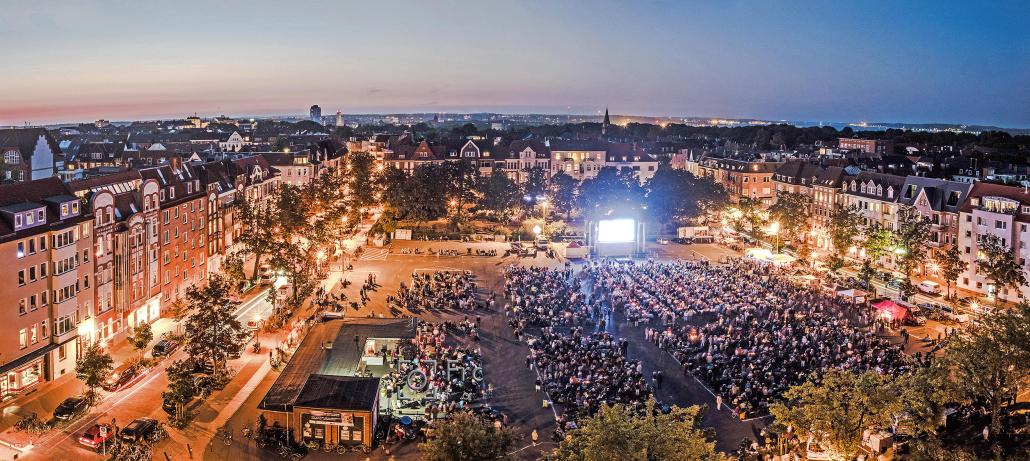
541 244
951 313
885 276
894 285
202 367
929 287
267 274
122 377
662 241
96 436
982 308
70 408
683 241
964 301
164 347
139 429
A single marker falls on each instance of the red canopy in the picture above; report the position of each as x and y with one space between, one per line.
891 310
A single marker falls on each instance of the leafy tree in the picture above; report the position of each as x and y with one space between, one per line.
499 195
393 184
141 337
866 272
837 408
878 242
461 185
181 389
999 265
362 179
950 265
610 190
426 193
465 437
677 196
535 186
93 367
257 237
912 236
232 270
845 224
619 433
562 193
213 333
750 209
925 393
792 211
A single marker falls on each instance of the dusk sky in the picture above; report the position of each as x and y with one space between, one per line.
910 61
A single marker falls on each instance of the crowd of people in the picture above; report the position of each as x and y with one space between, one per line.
436 290
580 366
743 328
542 297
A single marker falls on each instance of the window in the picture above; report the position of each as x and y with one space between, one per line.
43 330
23 338
21 307
21 249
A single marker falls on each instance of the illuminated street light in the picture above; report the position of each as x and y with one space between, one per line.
537 230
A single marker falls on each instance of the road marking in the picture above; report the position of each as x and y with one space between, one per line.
374 254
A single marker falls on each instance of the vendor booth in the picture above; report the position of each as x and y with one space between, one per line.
890 311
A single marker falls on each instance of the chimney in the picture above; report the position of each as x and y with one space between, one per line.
176 162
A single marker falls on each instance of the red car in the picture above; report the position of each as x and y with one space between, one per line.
95 437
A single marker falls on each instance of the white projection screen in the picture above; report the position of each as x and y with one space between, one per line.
616 230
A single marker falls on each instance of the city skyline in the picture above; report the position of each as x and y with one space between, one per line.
954 63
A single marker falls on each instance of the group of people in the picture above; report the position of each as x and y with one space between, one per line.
582 371
437 290
579 366
743 328
541 297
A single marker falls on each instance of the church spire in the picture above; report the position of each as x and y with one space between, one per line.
607 122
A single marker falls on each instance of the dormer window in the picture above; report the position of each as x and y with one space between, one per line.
890 192
17 220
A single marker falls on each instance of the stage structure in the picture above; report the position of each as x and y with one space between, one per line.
616 236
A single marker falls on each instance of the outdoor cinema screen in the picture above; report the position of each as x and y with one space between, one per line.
616 230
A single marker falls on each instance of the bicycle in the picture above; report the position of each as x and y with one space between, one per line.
226 435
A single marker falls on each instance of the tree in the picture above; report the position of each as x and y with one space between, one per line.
912 239
562 193
999 265
878 241
426 193
750 210
611 190
141 337
499 195
257 237
838 407
213 333
845 224
620 433
93 367
361 178
461 185
987 369
925 393
792 211
466 437
950 265
535 187
181 389
677 196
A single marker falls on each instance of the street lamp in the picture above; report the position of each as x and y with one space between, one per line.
537 230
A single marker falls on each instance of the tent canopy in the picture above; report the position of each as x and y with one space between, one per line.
891 310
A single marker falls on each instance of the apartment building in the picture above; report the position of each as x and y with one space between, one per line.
183 232
742 178
876 197
126 210
579 159
46 237
1001 211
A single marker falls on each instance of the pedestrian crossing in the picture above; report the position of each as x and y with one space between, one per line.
374 254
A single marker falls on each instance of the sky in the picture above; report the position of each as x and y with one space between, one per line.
912 61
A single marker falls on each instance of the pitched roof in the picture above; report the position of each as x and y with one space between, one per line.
887 183
26 195
942 195
984 189
798 172
24 141
541 149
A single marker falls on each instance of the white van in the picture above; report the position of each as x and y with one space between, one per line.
929 287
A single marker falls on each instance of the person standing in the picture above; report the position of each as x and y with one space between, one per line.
534 436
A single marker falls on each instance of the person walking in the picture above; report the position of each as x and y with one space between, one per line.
534 437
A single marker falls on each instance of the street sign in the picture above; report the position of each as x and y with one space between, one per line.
103 431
